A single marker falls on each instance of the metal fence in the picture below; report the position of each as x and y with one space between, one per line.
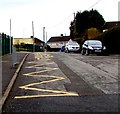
5 44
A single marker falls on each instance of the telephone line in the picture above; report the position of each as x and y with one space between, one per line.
94 4
60 22
56 25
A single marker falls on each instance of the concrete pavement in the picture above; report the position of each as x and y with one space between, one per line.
10 67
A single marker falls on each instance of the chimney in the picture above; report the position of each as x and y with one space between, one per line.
61 35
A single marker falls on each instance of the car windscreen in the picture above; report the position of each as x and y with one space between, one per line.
94 43
74 44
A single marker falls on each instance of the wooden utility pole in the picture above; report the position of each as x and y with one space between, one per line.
44 34
33 36
44 37
74 15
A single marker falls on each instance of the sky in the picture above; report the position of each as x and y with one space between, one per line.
54 15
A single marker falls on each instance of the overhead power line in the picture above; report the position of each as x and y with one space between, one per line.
94 4
60 22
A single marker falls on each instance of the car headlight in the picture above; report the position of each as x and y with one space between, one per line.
70 47
104 48
89 47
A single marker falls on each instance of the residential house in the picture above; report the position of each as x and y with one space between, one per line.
109 25
58 41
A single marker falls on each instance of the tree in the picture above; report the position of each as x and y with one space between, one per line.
96 20
85 20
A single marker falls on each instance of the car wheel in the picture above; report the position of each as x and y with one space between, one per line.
86 52
67 51
82 52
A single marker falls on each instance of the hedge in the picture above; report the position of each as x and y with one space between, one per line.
111 39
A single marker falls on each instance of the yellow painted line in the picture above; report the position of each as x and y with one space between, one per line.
56 92
42 56
50 95
37 72
31 62
45 90
41 65
43 82
49 56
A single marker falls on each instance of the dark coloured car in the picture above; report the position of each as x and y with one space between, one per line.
92 46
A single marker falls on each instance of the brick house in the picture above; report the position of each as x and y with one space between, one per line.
109 25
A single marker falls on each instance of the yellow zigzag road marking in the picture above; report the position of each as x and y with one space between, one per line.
43 82
55 78
41 65
57 92
52 95
43 55
47 56
37 61
32 73
39 56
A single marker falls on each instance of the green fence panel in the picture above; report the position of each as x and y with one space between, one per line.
11 43
5 43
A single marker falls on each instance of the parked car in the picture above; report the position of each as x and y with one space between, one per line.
62 49
72 46
92 46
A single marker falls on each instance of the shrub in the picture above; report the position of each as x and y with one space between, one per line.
111 39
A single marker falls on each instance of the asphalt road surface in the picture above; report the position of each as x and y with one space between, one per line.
65 82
